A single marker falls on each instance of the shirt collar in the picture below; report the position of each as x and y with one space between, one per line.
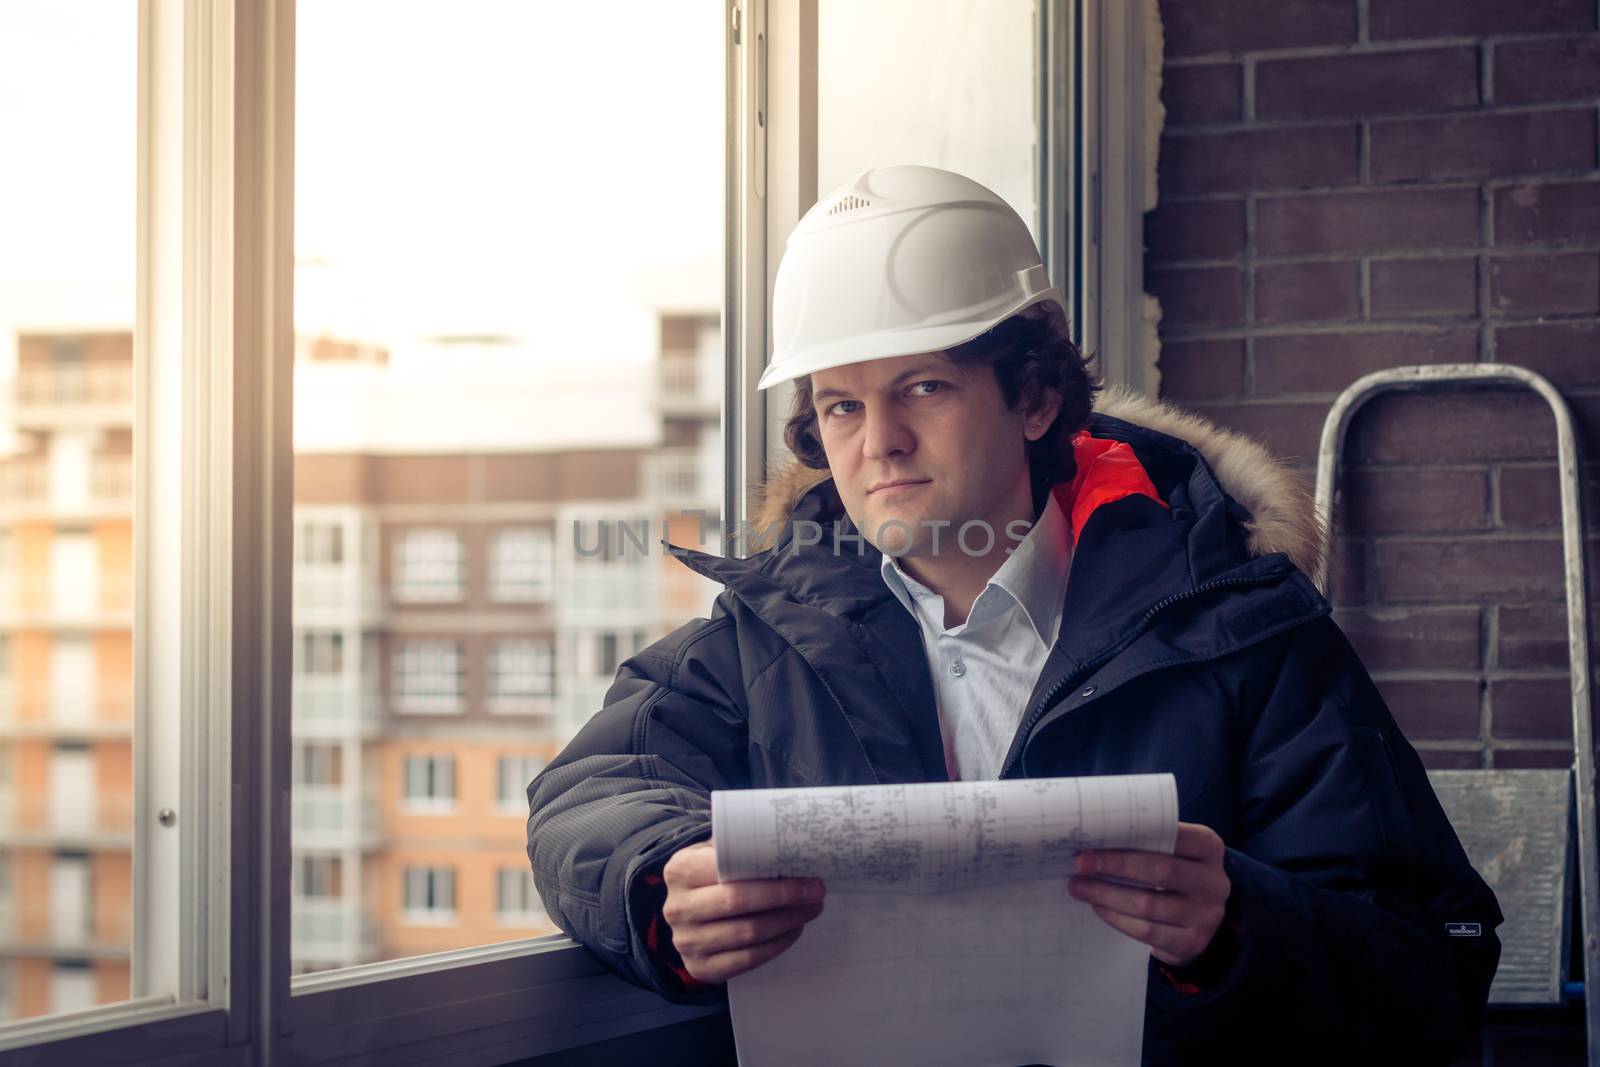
1034 575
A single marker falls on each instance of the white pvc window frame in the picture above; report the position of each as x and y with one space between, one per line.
215 401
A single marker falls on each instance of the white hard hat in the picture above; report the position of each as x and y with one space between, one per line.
900 260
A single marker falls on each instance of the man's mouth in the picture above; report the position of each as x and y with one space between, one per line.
899 485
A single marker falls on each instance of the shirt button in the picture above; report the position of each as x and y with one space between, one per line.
958 668
1088 690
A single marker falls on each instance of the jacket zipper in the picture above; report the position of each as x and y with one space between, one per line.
1015 756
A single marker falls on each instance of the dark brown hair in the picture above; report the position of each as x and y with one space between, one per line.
1031 352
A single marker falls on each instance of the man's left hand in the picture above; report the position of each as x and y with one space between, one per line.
1179 917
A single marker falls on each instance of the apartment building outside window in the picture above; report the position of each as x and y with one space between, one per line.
521 565
428 784
320 543
321 653
71 985
429 566
521 676
513 773
319 878
430 894
317 765
428 676
516 901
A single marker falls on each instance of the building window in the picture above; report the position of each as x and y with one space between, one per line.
511 789
430 894
320 652
428 677
521 676
429 566
521 565
320 542
319 878
72 986
428 784
516 902
317 765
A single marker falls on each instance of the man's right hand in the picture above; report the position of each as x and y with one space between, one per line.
726 928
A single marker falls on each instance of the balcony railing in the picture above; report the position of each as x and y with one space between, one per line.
96 821
334 707
76 386
332 930
332 817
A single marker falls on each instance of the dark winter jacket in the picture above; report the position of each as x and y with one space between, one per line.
1191 642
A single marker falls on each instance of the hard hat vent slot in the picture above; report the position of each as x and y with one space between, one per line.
849 203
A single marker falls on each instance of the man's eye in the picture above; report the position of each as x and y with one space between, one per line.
833 409
933 387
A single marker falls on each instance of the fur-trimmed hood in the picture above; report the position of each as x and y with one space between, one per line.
1281 506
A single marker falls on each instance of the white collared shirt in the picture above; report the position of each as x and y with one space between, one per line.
984 669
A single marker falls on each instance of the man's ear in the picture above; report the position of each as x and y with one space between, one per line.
1039 412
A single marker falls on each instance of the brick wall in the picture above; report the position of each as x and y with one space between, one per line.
1348 185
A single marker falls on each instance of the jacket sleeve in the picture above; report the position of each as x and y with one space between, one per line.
1345 872
633 787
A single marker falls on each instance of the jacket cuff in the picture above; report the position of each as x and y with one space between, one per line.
652 897
1211 967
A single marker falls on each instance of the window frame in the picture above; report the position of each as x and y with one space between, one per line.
216 199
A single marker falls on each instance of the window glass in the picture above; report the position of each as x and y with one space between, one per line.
507 335
68 124
429 783
428 676
513 773
521 564
521 676
429 565
516 902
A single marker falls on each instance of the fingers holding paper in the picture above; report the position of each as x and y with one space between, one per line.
722 929
1179 906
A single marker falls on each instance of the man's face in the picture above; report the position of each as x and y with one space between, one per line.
945 430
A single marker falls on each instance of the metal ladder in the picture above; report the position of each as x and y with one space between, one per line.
1525 856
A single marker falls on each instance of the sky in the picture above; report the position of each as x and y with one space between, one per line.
516 167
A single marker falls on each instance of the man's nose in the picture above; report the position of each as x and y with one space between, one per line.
886 434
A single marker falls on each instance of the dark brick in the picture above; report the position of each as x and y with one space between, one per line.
1536 759
1397 219
1531 709
1194 95
1536 71
1372 84
1414 639
1455 428
1552 284
1195 229
1450 759
1474 18
1347 572
1467 568
1328 362
1202 369
1547 212
1483 146
1531 496
1198 296
1436 709
1416 498
1307 292
1290 431
1537 636
1192 28
1424 287
1257 160
1568 353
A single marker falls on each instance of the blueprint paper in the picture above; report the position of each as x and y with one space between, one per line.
948 935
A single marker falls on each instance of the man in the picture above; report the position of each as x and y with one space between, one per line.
975 577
